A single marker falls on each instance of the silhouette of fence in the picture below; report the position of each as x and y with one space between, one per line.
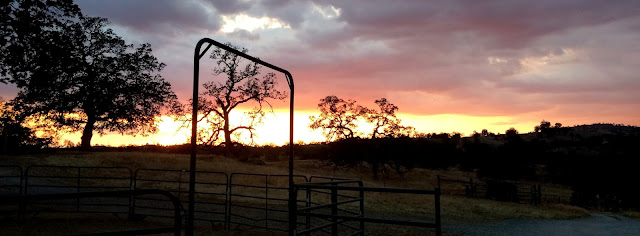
41 179
211 193
11 180
469 188
332 214
262 206
239 199
346 203
124 194
501 190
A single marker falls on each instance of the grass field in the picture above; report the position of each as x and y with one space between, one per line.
455 209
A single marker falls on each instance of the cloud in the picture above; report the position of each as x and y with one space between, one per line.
154 15
230 6
511 58
243 34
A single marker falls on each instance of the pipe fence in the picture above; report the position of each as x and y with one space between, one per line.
330 212
329 205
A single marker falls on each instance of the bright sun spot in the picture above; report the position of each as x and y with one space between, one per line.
249 23
328 11
537 63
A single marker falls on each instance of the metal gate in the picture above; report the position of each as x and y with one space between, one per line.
10 185
261 205
210 193
41 179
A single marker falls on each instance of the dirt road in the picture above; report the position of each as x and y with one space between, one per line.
596 224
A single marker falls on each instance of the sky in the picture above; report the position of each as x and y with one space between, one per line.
448 65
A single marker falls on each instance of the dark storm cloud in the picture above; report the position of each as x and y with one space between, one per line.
509 23
149 16
230 6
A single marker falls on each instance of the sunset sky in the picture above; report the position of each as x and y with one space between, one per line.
448 65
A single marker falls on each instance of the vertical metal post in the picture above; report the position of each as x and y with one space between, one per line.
334 210
180 183
308 204
78 190
194 128
226 202
473 189
266 201
539 194
229 201
292 195
22 211
361 208
132 197
293 216
437 206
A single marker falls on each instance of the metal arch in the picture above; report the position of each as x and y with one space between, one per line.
194 125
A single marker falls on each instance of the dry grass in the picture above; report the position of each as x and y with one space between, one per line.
631 214
455 209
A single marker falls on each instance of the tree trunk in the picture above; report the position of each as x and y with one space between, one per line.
228 144
87 133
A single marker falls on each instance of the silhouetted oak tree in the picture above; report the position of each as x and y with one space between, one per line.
385 123
337 118
79 74
242 86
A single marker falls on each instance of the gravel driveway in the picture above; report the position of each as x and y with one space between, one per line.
596 224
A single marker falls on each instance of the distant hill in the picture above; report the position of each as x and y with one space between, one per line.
604 129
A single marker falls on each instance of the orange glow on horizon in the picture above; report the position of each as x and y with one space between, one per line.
275 129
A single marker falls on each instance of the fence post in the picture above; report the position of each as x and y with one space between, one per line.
226 201
438 181
308 204
230 203
266 201
78 190
473 189
361 208
132 197
437 206
539 194
293 223
22 211
334 210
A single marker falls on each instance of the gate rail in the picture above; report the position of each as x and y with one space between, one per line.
177 223
11 182
206 189
11 179
46 180
81 182
362 219
267 197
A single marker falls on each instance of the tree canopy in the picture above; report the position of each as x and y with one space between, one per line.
242 86
78 73
384 120
337 118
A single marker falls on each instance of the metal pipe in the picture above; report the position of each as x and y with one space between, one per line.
196 67
437 206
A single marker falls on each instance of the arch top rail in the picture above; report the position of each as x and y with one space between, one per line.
199 54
